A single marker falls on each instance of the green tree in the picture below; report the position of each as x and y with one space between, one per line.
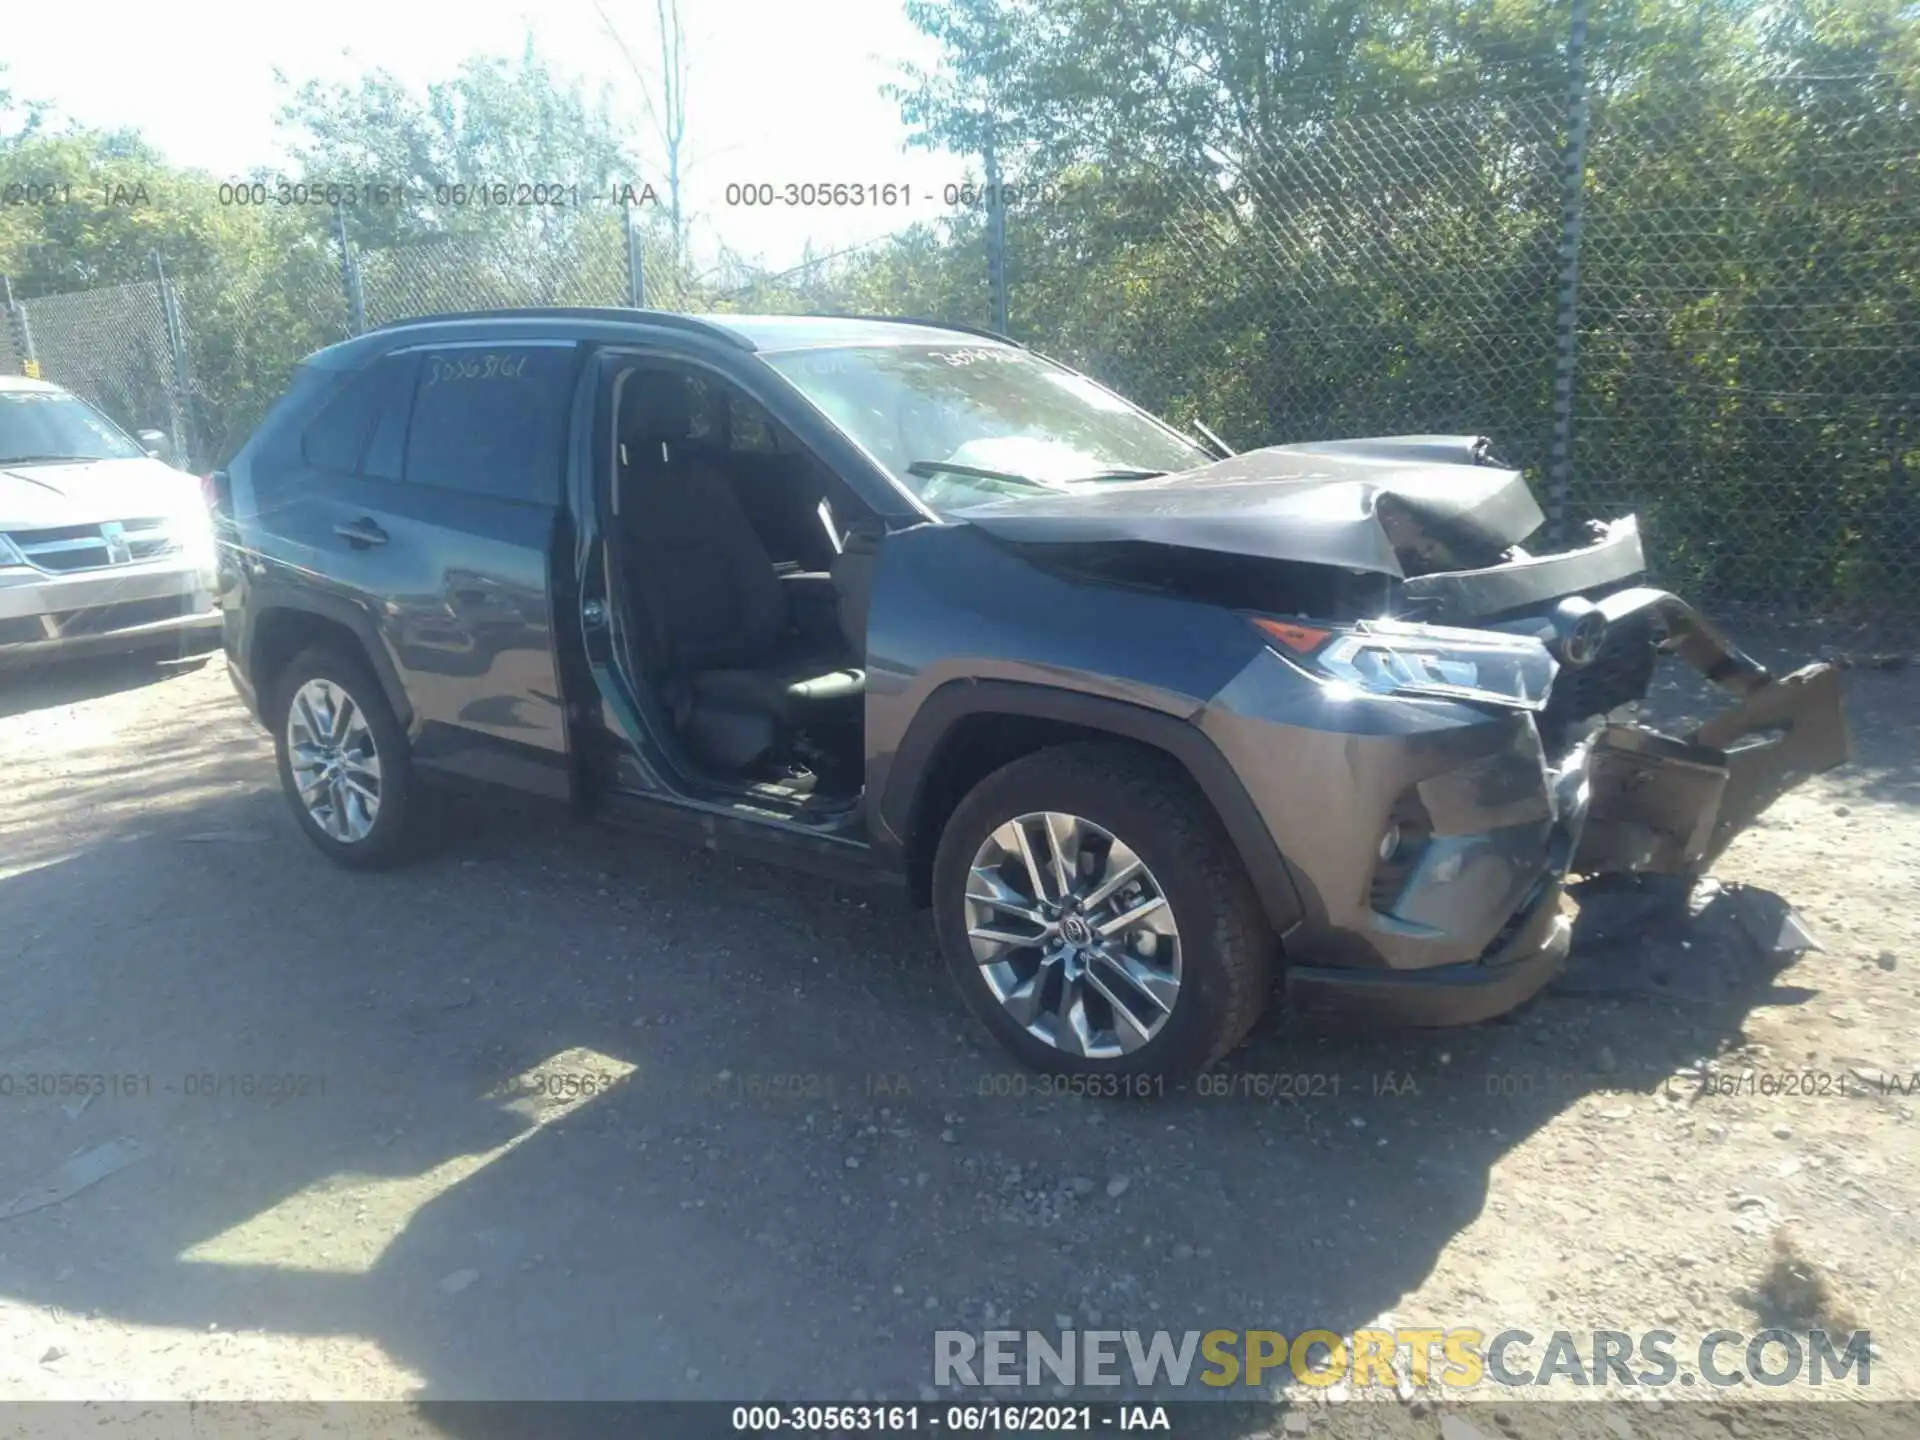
20 118
1343 216
494 120
1750 326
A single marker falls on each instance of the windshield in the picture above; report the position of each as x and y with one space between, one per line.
959 425
47 426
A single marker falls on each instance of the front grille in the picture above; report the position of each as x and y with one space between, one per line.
72 555
55 532
105 619
62 549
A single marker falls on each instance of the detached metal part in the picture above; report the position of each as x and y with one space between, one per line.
1671 806
1461 597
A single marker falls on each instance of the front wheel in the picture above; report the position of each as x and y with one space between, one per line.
1096 916
344 760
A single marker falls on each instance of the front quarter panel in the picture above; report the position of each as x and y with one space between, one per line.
948 604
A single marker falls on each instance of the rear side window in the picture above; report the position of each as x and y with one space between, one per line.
386 446
361 429
277 437
490 420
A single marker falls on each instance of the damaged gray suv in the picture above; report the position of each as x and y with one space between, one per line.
1147 724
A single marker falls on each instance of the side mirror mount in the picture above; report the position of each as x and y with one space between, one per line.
157 444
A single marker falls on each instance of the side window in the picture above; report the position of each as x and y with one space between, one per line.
336 438
753 430
386 447
490 420
361 428
703 400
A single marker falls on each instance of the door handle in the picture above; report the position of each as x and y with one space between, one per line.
361 533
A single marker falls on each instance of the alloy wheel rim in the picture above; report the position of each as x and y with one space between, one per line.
1073 934
335 762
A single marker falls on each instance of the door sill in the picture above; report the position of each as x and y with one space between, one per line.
831 846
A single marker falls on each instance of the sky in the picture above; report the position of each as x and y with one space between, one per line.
776 91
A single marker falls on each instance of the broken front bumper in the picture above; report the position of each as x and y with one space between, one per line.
1671 805
1626 798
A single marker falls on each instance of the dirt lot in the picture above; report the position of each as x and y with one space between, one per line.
413 1221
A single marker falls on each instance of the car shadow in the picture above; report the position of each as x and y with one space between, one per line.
567 1113
25 688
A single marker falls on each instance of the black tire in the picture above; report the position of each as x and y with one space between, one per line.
388 840
1147 802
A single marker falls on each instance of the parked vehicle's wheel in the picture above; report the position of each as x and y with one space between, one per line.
344 760
1097 918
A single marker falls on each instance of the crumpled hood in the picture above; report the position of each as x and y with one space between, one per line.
1398 505
38 497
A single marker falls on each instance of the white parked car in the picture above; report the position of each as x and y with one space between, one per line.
102 546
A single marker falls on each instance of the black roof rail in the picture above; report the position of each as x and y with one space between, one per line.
933 324
621 314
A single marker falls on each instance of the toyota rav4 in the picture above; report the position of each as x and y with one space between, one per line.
1148 724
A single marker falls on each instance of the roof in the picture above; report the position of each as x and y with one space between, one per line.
21 382
793 332
765 333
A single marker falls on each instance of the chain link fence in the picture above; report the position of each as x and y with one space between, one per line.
1740 361
111 345
1385 274
585 264
1749 337
246 327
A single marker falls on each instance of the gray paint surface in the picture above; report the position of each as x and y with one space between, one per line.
1360 505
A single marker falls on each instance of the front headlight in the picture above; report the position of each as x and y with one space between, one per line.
1395 657
191 528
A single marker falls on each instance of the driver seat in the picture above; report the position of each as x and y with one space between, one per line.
725 657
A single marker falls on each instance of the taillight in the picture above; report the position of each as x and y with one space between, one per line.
213 490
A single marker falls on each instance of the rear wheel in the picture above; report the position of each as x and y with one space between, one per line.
1096 916
344 760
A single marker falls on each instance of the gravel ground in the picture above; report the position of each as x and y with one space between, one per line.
586 1115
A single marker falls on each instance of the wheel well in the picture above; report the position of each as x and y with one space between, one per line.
281 634
973 749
